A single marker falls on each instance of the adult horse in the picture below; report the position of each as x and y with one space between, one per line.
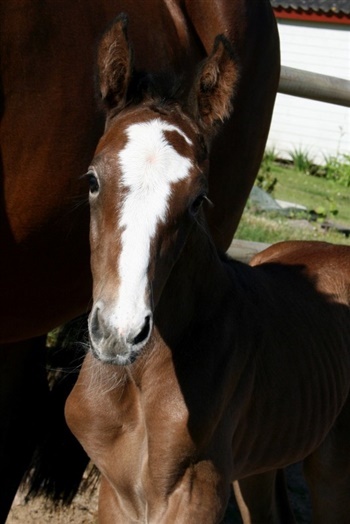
202 370
50 123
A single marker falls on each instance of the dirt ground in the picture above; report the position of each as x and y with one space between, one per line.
84 508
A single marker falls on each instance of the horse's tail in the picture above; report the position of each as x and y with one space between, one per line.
59 462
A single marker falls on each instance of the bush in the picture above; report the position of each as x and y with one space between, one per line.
337 168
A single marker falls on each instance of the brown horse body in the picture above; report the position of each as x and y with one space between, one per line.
50 123
207 371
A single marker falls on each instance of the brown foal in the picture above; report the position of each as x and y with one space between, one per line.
202 371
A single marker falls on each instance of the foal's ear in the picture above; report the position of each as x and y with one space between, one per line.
215 84
115 64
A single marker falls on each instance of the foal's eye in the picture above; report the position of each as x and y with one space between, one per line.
93 182
197 203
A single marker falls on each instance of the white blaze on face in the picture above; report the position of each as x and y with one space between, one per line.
149 166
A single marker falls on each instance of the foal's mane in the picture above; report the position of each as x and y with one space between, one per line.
163 87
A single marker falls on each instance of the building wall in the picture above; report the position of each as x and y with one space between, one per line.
320 129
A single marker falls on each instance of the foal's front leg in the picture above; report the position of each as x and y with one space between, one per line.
200 497
110 510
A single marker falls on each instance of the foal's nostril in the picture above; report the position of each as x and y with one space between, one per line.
143 333
95 326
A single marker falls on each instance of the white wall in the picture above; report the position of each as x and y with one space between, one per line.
319 128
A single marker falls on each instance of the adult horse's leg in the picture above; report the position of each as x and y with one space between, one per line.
23 395
263 498
327 472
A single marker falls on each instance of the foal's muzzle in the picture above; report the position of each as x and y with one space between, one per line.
114 345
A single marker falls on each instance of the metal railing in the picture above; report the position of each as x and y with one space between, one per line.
324 88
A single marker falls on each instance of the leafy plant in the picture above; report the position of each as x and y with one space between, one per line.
301 160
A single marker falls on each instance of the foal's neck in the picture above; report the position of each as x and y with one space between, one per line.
197 285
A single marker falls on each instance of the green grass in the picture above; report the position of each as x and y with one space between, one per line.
262 228
312 192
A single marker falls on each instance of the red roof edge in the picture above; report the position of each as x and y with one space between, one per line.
311 16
